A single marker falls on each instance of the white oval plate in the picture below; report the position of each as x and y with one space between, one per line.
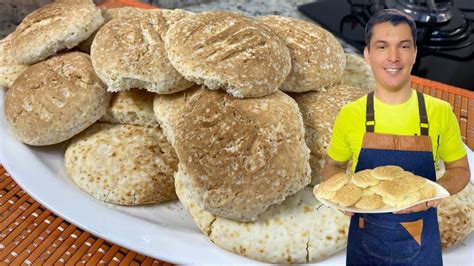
164 231
441 192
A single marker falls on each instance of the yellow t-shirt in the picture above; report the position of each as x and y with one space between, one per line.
399 119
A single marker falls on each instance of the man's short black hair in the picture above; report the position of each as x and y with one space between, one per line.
393 16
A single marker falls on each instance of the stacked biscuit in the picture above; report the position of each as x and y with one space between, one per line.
381 187
166 103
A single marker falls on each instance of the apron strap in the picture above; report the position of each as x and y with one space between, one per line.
370 114
423 116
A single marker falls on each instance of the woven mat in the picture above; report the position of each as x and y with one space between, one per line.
462 102
31 234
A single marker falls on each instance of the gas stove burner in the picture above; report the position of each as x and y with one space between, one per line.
441 27
424 11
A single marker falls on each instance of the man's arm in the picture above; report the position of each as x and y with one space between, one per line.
332 167
456 177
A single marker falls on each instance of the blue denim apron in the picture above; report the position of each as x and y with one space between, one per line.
387 238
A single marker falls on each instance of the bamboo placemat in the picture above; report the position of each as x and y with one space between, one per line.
31 234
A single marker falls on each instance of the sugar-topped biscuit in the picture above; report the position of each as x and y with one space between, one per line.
364 179
409 199
347 195
388 172
370 202
335 182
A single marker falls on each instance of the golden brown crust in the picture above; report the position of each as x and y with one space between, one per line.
392 189
230 51
319 110
242 155
128 52
347 195
55 99
168 108
57 26
364 179
317 57
370 202
335 182
388 172
10 69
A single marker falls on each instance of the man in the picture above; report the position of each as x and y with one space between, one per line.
395 125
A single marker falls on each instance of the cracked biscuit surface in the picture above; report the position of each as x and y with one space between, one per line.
298 230
242 155
319 111
229 51
128 52
57 26
317 57
53 100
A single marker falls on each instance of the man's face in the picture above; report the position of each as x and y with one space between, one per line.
392 55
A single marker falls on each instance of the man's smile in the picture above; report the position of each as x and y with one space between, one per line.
393 70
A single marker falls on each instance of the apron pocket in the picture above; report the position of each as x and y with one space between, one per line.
390 243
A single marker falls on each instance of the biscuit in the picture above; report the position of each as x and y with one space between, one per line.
414 182
347 195
335 182
406 201
324 193
319 110
370 202
10 69
123 164
387 172
229 51
128 52
317 57
168 108
393 189
55 99
109 14
57 26
427 191
358 73
242 155
133 107
364 179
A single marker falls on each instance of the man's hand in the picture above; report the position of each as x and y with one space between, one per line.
421 206
348 213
